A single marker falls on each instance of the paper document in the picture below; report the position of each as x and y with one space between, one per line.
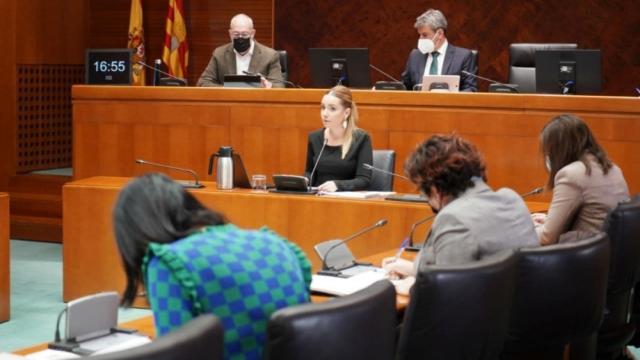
334 285
358 194
49 354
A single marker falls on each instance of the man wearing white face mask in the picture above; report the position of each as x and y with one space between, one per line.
435 56
242 54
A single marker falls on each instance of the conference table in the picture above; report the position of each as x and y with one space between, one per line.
114 125
5 269
90 257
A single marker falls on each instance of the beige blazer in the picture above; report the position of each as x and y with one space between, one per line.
581 202
264 60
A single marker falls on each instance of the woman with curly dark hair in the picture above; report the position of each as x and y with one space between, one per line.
472 220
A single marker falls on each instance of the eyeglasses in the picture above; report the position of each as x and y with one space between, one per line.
243 35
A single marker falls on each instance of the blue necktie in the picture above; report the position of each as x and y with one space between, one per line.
434 64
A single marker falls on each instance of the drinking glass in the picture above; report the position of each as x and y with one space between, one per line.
259 182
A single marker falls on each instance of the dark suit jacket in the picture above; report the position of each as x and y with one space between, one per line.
264 60
456 60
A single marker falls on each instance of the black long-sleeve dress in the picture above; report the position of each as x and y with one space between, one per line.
348 173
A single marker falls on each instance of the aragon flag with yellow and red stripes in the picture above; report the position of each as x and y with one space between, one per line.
176 50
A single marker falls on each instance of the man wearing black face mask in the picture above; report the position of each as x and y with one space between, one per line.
242 54
473 221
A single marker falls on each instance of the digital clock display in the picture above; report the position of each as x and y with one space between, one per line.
108 66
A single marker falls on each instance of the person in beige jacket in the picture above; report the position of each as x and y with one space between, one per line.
586 184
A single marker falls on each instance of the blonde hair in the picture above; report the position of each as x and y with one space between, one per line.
344 95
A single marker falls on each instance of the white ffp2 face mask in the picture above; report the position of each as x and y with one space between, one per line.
427 46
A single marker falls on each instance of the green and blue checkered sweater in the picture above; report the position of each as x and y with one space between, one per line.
242 276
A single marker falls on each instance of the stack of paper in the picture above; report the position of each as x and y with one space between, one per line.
333 285
358 194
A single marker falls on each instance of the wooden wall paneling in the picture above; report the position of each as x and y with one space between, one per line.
207 25
7 88
386 28
270 127
5 257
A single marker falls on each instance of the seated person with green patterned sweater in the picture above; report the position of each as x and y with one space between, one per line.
191 261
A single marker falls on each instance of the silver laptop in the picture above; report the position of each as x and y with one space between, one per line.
92 316
441 83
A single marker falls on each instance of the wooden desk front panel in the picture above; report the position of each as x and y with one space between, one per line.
183 126
92 264
5 263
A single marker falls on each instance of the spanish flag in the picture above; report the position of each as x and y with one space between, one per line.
176 49
136 42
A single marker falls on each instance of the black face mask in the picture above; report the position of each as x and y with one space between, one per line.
241 44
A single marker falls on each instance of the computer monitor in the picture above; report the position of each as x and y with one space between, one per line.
575 71
346 66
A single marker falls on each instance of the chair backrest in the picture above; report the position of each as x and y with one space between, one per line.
623 227
560 294
199 339
385 160
474 57
284 63
459 312
357 326
522 63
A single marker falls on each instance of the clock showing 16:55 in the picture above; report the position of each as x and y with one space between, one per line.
108 66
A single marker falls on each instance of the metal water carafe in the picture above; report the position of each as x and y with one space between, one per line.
224 168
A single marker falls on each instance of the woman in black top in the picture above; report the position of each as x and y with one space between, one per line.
346 148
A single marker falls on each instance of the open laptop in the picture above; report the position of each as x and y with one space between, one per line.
340 261
240 177
441 83
242 81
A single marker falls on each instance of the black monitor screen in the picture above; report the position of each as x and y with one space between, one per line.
569 71
333 66
108 66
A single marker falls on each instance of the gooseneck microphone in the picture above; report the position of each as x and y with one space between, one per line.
378 224
282 81
508 86
192 185
157 72
535 191
394 84
371 167
315 166
410 246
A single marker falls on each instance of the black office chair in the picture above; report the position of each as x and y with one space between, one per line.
559 300
459 312
522 63
199 339
385 160
357 326
623 227
284 63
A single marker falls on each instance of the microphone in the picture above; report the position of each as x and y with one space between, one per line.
508 86
157 72
282 81
195 185
410 246
315 166
535 191
395 84
326 270
371 167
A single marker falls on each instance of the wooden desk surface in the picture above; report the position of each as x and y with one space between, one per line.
5 286
269 127
92 263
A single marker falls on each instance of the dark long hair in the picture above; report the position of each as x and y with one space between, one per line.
447 162
565 139
154 208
